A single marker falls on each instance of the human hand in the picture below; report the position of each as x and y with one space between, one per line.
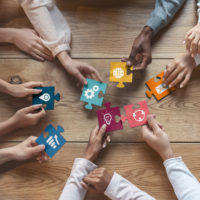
79 70
28 149
192 40
154 135
29 116
98 140
25 89
140 55
28 41
179 71
97 181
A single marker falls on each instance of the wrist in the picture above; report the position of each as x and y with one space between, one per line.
148 32
90 157
7 35
7 155
64 59
5 87
167 154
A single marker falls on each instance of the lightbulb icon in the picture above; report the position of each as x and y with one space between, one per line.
108 118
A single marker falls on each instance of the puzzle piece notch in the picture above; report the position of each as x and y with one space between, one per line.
91 91
46 97
157 89
107 116
118 73
132 114
54 141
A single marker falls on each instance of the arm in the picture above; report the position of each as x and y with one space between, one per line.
23 151
163 12
121 189
74 188
186 186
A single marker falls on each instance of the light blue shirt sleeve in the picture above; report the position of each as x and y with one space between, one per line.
163 12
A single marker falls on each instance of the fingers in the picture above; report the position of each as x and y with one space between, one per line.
37 57
95 130
178 79
44 49
34 151
41 51
81 78
98 76
153 124
132 55
186 80
32 108
169 69
102 131
107 140
146 60
88 187
32 84
188 41
194 46
39 115
33 91
124 59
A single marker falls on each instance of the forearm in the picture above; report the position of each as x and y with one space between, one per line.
49 22
73 189
163 12
6 155
6 35
185 185
7 126
121 189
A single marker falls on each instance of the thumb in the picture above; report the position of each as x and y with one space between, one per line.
132 56
33 91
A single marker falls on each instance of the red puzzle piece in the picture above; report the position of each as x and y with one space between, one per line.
138 116
107 116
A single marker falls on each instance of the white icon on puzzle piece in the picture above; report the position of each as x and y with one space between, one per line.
45 97
160 89
108 118
141 113
89 93
118 72
52 141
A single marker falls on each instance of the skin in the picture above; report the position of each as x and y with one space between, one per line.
26 40
23 151
140 55
155 136
192 40
77 69
179 71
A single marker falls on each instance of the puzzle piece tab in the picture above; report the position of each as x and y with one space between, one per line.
54 141
46 97
107 116
118 73
91 92
157 89
138 116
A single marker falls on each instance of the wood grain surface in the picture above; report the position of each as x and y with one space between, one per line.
103 31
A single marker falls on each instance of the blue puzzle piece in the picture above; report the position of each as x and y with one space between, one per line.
46 97
54 141
91 91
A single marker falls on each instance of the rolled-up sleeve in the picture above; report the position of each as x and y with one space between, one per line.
50 24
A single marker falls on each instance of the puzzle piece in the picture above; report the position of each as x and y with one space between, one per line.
118 73
46 97
138 116
91 91
53 142
157 89
107 116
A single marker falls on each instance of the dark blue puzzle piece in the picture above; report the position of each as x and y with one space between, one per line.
46 97
54 141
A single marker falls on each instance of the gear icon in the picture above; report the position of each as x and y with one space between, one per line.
95 88
139 115
89 94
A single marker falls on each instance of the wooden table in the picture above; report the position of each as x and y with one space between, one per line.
103 31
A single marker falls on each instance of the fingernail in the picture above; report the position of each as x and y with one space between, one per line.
38 105
104 126
184 42
42 146
181 86
104 145
164 85
170 86
108 139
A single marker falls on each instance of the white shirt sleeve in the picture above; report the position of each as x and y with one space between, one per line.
73 189
49 22
186 186
121 189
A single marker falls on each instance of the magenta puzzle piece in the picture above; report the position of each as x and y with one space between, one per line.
136 117
107 116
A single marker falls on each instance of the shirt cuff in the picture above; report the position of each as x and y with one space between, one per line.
84 163
110 190
155 23
34 4
172 161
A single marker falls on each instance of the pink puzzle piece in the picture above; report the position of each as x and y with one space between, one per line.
136 117
107 116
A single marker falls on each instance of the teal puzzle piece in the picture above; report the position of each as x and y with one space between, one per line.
91 91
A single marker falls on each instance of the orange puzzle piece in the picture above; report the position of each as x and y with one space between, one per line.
118 73
157 89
